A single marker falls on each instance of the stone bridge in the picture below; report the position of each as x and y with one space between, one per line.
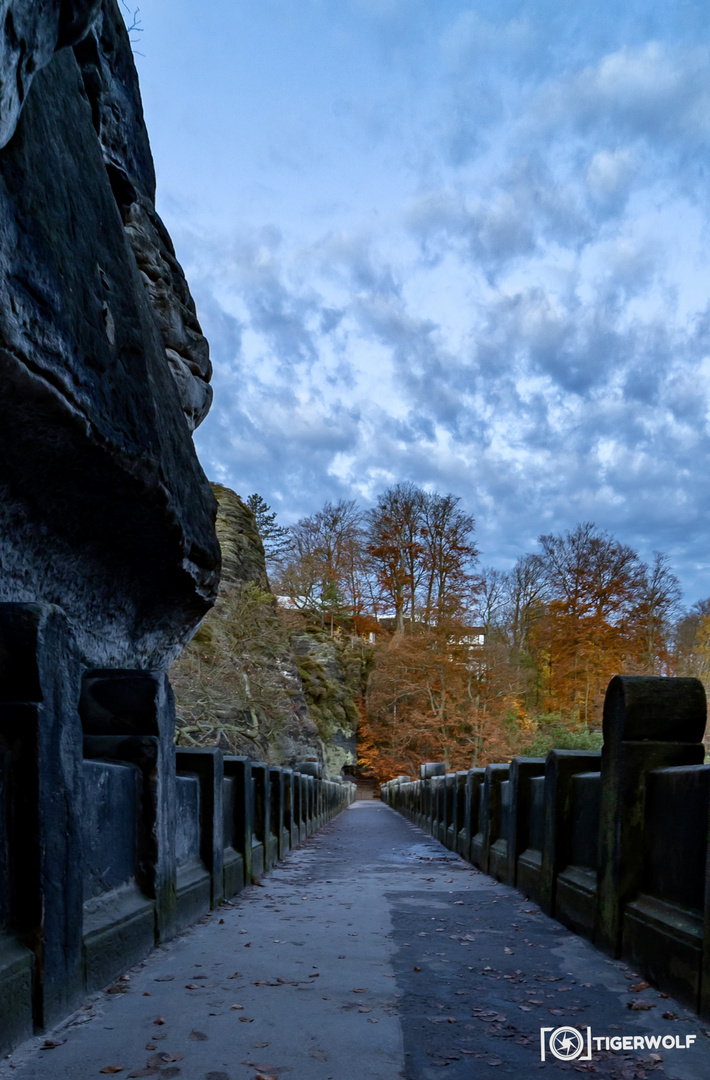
188 914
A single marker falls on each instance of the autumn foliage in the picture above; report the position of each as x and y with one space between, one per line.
472 664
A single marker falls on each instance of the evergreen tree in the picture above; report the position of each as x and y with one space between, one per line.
275 538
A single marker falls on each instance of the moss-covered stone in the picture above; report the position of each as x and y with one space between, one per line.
236 683
333 671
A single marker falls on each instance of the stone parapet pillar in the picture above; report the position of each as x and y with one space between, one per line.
41 974
649 723
561 766
522 770
129 715
489 816
208 764
239 768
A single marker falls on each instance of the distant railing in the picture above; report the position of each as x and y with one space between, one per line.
111 840
615 844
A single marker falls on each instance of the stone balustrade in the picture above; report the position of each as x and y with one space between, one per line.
111 838
615 845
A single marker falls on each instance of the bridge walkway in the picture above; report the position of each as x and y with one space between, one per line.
370 952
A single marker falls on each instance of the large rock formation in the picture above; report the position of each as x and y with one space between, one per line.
265 683
236 684
104 508
333 676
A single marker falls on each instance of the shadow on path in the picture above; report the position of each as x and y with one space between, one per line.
370 952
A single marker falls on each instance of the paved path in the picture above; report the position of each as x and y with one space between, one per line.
371 952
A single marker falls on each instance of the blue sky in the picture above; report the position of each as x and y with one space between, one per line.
464 244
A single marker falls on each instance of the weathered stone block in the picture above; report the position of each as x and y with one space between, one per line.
648 724
41 764
560 768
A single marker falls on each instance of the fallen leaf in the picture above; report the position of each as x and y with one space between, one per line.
143 1072
494 1061
638 987
259 1045
246 1019
51 1044
639 1006
360 990
372 1020
236 1006
192 986
166 1056
164 978
198 1036
151 1046
160 1020
670 1016
112 1069
417 969
508 951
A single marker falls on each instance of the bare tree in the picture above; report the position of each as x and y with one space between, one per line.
394 533
320 574
659 598
448 555
527 590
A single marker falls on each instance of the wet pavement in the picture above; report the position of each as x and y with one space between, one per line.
370 952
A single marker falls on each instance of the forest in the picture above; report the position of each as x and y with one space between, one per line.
467 663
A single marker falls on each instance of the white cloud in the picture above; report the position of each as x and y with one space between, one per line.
489 274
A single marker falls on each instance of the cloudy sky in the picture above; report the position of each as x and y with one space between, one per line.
464 244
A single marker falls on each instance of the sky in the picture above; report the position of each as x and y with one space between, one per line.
461 244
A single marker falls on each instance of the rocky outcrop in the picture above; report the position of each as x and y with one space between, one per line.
236 684
111 85
333 672
243 558
104 509
31 35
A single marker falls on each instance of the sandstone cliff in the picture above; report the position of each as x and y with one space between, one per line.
236 683
104 508
256 684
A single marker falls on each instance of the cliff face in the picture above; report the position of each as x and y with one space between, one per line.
104 508
236 684
331 672
255 686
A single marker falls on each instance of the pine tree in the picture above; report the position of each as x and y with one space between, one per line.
275 538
